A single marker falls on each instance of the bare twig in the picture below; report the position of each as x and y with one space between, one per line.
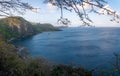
82 13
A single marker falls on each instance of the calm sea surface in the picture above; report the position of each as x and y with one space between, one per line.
88 47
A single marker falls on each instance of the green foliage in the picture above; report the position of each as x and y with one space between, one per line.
34 68
8 34
63 70
6 30
10 63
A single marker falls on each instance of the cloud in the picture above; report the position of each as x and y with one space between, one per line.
111 12
85 5
103 11
51 8
37 9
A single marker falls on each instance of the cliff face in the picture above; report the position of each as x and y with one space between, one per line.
19 27
15 27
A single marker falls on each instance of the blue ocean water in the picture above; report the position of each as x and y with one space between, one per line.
86 47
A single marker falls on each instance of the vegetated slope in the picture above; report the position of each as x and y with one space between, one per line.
44 27
19 27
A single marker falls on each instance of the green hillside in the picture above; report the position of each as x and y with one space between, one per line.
19 27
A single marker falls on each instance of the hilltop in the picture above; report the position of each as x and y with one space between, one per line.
19 27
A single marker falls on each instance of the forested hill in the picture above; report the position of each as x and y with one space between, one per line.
19 27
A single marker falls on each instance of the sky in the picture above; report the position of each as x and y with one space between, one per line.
50 14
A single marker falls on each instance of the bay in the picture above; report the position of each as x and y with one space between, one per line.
87 47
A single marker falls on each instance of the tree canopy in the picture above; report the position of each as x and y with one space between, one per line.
7 7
